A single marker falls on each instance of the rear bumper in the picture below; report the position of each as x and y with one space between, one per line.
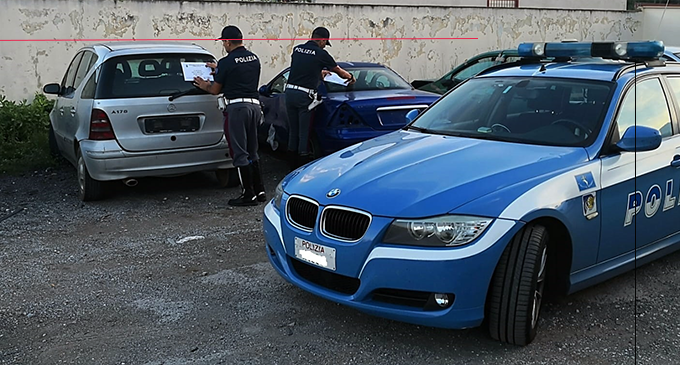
105 160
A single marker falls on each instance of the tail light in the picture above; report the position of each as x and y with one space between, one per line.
347 117
100 126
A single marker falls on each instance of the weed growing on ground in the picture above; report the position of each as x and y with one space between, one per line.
24 134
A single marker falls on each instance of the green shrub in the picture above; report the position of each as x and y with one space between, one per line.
24 128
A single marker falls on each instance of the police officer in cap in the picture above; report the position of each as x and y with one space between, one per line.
236 77
309 62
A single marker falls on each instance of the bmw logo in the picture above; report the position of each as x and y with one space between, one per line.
333 193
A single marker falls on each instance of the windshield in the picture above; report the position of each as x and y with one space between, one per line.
548 111
370 79
146 75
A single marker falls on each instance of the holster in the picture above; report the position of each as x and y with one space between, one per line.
316 100
221 103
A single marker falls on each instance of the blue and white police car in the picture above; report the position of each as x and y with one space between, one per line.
542 175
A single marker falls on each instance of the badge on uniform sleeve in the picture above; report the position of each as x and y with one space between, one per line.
590 205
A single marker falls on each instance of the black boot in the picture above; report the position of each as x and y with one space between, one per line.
247 197
258 185
292 159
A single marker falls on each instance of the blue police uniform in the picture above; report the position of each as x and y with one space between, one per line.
239 75
307 62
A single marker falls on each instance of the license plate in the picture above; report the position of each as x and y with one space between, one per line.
316 254
172 124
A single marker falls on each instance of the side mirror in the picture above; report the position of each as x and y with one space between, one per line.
411 115
54 89
264 90
639 139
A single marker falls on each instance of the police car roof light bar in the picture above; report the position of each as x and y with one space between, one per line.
609 50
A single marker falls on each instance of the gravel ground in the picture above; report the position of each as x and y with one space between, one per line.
167 273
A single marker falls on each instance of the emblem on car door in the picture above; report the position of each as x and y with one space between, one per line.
171 108
333 193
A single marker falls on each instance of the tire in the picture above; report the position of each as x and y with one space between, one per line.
227 178
89 188
518 287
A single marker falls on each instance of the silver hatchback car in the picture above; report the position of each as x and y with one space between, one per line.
123 111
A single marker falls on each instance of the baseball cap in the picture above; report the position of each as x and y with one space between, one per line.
231 32
322 33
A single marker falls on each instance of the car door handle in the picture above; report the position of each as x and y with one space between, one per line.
73 111
61 110
676 161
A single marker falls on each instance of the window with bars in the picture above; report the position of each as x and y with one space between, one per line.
502 3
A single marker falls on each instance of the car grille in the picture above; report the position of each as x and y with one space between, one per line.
344 223
302 212
329 280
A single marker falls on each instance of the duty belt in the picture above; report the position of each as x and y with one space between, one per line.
295 87
241 100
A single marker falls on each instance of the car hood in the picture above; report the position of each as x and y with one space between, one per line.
407 174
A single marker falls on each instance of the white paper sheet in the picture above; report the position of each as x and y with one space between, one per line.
193 69
334 78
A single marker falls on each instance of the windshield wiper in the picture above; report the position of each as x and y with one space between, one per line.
421 129
182 93
432 131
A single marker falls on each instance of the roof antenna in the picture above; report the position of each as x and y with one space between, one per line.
661 21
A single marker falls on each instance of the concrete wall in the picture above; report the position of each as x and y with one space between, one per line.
26 66
458 3
575 4
537 4
660 25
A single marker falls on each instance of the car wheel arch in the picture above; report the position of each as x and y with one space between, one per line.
557 267
560 245
560 254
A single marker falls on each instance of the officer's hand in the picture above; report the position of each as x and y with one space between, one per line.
212 66
325 73
199 82
352 80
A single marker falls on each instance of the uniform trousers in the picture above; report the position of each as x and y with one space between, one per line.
240 127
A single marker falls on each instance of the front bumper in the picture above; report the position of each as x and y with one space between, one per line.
106 161
409 271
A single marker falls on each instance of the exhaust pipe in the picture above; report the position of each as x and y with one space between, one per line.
130 182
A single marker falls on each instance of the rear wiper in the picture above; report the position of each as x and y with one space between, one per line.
187 92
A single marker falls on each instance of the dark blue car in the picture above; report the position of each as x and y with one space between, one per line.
376 104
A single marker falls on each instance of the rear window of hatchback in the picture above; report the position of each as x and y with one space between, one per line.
147 75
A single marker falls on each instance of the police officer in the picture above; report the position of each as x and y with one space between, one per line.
237 76
308 62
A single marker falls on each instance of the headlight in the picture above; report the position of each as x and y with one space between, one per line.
278 195
278 192
444 231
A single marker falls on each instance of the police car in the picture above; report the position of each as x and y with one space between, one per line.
533 177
